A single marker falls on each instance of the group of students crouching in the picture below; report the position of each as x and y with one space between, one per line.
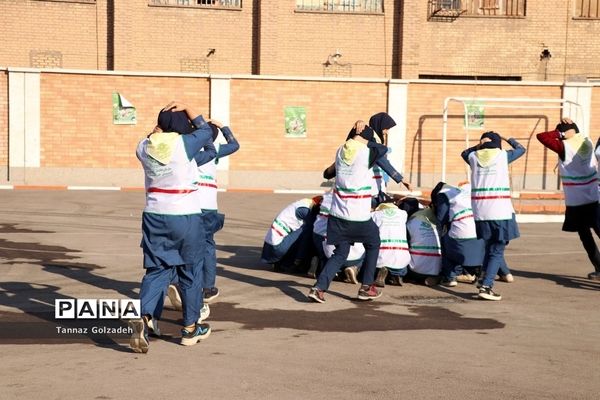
420 241
358 232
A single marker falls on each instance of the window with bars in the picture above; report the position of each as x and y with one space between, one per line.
503 8
350 6
588 9
194 3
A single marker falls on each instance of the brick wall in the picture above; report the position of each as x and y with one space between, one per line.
48 34
273 39
509 46
299 43
257 118
76 118
77 131
156 38
3 118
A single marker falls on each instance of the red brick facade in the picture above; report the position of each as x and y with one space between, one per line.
273 38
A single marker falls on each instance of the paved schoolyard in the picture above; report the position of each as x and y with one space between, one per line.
542 341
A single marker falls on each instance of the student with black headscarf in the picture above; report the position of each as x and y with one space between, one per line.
380 123
578 172
491 201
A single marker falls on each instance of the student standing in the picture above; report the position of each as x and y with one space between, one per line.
491 200
350 215
171 222
578 172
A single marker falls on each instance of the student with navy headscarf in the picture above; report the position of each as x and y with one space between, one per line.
491 201
172 230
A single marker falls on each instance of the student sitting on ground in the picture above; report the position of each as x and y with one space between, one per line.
394 256
288 242
425 248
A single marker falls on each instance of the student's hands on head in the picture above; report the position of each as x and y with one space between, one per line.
175 106
216 123
359 126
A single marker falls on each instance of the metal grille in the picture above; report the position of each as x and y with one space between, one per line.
192 3
340 5
506 8
587 9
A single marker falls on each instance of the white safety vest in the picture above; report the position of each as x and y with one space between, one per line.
490 192
378 181
286 222
352 190
170 187
207 185
578 172
424 245
393 250
462 223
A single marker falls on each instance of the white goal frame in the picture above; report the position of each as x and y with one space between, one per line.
504 102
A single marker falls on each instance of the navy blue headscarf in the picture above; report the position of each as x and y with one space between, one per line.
496 141
175 121
381 121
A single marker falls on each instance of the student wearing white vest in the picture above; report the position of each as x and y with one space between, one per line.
350 215
424 247
325 251
287 243
491 201
462 252
394 255
171 222
579 175
212 220
381 123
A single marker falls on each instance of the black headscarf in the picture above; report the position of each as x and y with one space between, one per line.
436 190
175 121
215 131
563 127
495 143
381 121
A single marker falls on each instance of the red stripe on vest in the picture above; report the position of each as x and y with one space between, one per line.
490 197
418 253
170 191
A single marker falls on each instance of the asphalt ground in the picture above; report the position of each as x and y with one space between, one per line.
542 341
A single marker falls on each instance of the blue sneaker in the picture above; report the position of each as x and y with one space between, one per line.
139 338
201 332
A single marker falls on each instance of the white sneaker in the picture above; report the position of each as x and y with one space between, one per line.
139 338
153 328
508 278
174 297
204 313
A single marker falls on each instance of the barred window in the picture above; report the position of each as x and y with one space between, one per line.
195 3
589 9
502 8
351 6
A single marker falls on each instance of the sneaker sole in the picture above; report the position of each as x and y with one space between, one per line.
366 298
315 298
138 342
486 296
195 339
593 276
174 297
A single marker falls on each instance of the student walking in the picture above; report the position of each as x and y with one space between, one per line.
172 229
